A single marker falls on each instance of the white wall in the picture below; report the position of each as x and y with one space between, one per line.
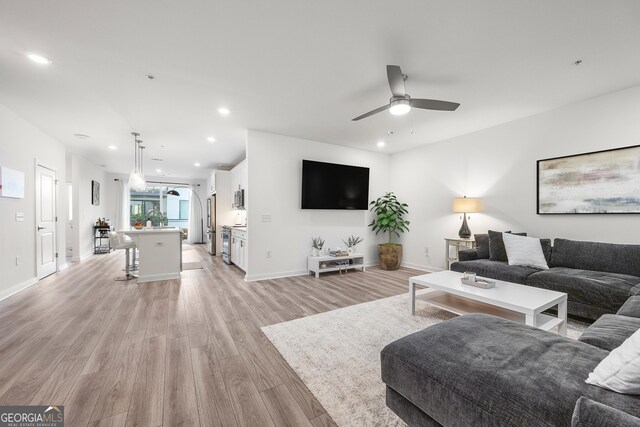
21 143
85 213
274 188
498 165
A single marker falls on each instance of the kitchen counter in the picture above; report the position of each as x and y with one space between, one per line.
160 252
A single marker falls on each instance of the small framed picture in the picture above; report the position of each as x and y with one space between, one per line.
95 193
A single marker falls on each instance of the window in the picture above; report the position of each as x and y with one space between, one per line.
153 204
184 209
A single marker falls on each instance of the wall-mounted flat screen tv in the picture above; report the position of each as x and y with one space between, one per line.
333 186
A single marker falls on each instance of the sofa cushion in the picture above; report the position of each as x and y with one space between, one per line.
610 331
482 245
588 413
631 307
495 270
609 257
497 251
482 370
597 288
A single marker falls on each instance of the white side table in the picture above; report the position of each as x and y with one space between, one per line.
457 243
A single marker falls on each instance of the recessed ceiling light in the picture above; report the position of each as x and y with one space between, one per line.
380 144
39 59
113 147
155 159
158 170
197 165
224 111
81 136
211 139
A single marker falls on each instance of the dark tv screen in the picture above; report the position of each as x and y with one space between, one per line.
333 186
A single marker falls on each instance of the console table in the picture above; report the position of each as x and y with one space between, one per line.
326 263
456 243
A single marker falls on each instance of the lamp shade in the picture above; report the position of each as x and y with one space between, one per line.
466 205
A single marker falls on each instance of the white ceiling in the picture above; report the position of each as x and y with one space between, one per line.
301 68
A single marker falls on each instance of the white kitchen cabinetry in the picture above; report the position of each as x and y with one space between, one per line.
239 248
211 183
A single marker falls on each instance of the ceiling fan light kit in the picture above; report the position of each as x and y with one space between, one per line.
401 103
399 107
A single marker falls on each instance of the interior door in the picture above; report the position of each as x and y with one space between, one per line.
46 253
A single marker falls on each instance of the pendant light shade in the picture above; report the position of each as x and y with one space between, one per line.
136 177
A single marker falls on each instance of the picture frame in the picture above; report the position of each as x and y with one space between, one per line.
11 183
597 182
95 193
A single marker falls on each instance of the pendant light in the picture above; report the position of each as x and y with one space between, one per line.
136 178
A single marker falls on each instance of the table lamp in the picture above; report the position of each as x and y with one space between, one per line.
465 205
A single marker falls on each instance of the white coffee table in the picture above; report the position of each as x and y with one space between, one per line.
520 303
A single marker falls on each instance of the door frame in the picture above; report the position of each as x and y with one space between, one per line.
55 212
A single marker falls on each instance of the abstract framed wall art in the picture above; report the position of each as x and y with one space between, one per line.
95 193
601 182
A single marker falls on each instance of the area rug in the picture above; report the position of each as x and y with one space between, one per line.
337 354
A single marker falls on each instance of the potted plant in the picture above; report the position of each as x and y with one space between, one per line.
352 242
389 212
317 244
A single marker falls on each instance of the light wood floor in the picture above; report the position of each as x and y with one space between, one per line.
182 352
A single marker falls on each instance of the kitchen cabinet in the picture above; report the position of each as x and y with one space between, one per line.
211 183
239 248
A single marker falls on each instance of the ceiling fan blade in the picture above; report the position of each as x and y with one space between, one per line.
434 104
372 112
396 81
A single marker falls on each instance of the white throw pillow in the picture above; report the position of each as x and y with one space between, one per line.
522 250
620 370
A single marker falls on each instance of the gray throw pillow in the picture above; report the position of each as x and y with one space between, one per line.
497 251
482 245
546 249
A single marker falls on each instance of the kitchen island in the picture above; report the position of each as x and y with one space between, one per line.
160 252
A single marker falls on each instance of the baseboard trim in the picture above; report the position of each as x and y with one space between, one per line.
17 288
256 277
420 267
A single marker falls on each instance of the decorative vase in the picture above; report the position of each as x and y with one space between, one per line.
390 255
316 252
350 249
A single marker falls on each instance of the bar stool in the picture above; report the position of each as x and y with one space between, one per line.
124 242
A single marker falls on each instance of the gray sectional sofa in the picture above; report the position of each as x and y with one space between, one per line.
597 277
481 370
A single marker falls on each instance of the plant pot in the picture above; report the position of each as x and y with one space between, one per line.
390 256
350 249
316 252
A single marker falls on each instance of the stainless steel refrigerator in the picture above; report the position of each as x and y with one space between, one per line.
211 223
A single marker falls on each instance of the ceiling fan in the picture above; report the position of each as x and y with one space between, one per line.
401 103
